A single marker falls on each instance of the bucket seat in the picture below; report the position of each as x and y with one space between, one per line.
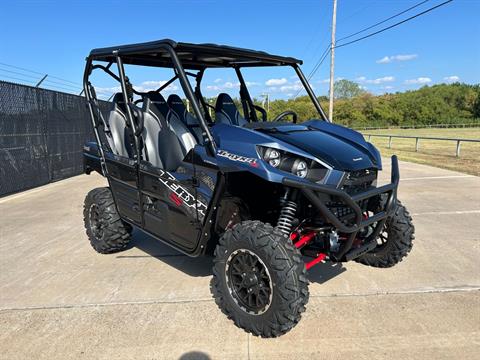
121 134
166 139
226 111
178 109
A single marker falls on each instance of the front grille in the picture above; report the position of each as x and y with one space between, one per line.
353 183
359 180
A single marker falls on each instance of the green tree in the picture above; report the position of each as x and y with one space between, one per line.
346 89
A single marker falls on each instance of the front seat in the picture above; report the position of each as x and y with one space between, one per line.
120 132
178 108
226 112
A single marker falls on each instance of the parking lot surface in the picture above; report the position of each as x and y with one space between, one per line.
59 299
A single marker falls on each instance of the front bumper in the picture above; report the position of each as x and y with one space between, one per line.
345 253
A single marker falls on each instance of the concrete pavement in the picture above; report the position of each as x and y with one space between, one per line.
60 299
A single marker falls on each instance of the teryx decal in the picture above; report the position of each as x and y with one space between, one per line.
181 196
234 157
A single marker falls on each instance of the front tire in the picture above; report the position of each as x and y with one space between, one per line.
105 229
259 279
395 241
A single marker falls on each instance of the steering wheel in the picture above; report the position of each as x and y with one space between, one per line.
286 113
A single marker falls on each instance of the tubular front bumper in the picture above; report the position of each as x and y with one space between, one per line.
311 190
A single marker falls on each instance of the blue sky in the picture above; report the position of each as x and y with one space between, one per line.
55 36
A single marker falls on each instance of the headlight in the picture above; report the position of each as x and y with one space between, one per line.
272 156
300 168
292 163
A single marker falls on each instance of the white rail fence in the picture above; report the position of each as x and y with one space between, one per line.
418 138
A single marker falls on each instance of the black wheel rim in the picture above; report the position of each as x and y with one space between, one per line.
249 281
95 221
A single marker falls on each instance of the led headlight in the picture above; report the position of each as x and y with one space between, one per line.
272 156
293 163
300 168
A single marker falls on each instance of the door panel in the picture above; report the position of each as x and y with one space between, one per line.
123 183
170 206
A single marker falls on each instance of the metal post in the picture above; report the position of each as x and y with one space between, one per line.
369 137
41 81
417 140
458 148
389 142
332 59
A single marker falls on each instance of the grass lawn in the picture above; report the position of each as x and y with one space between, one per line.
431 152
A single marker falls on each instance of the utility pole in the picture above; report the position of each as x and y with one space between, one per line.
332 59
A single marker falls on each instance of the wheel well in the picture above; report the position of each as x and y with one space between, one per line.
259 197
245 197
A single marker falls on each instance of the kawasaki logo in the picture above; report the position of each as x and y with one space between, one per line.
234 157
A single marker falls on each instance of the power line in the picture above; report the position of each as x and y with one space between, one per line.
384 21
19 73
59 83
38 73
316 67
16 78
394 25
323 57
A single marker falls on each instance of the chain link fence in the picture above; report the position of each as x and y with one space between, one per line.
41 136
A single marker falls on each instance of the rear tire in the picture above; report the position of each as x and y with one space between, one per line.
259 279
398 236
105 229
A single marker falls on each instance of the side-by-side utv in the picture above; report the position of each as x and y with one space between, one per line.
269 198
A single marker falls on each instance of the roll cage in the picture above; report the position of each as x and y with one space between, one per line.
182 58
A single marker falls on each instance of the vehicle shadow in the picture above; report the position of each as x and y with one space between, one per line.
202 266
324 272
198 267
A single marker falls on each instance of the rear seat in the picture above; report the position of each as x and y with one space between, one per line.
167 140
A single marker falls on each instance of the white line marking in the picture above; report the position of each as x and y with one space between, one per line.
439 177
448 212
472 288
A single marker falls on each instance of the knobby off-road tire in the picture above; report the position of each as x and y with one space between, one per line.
106 231
396 240
282 284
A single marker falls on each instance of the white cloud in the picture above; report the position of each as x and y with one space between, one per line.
287 88
225 86
389 59
108 90
154 85
276 82
420 80
145 86
251 83
363 79
213 88
453 78
216 81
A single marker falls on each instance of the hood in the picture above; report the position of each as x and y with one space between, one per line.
342 148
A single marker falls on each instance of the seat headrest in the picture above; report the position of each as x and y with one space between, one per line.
225 103
158 101
118 100
176 103
227 112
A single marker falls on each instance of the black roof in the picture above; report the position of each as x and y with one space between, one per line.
192 56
